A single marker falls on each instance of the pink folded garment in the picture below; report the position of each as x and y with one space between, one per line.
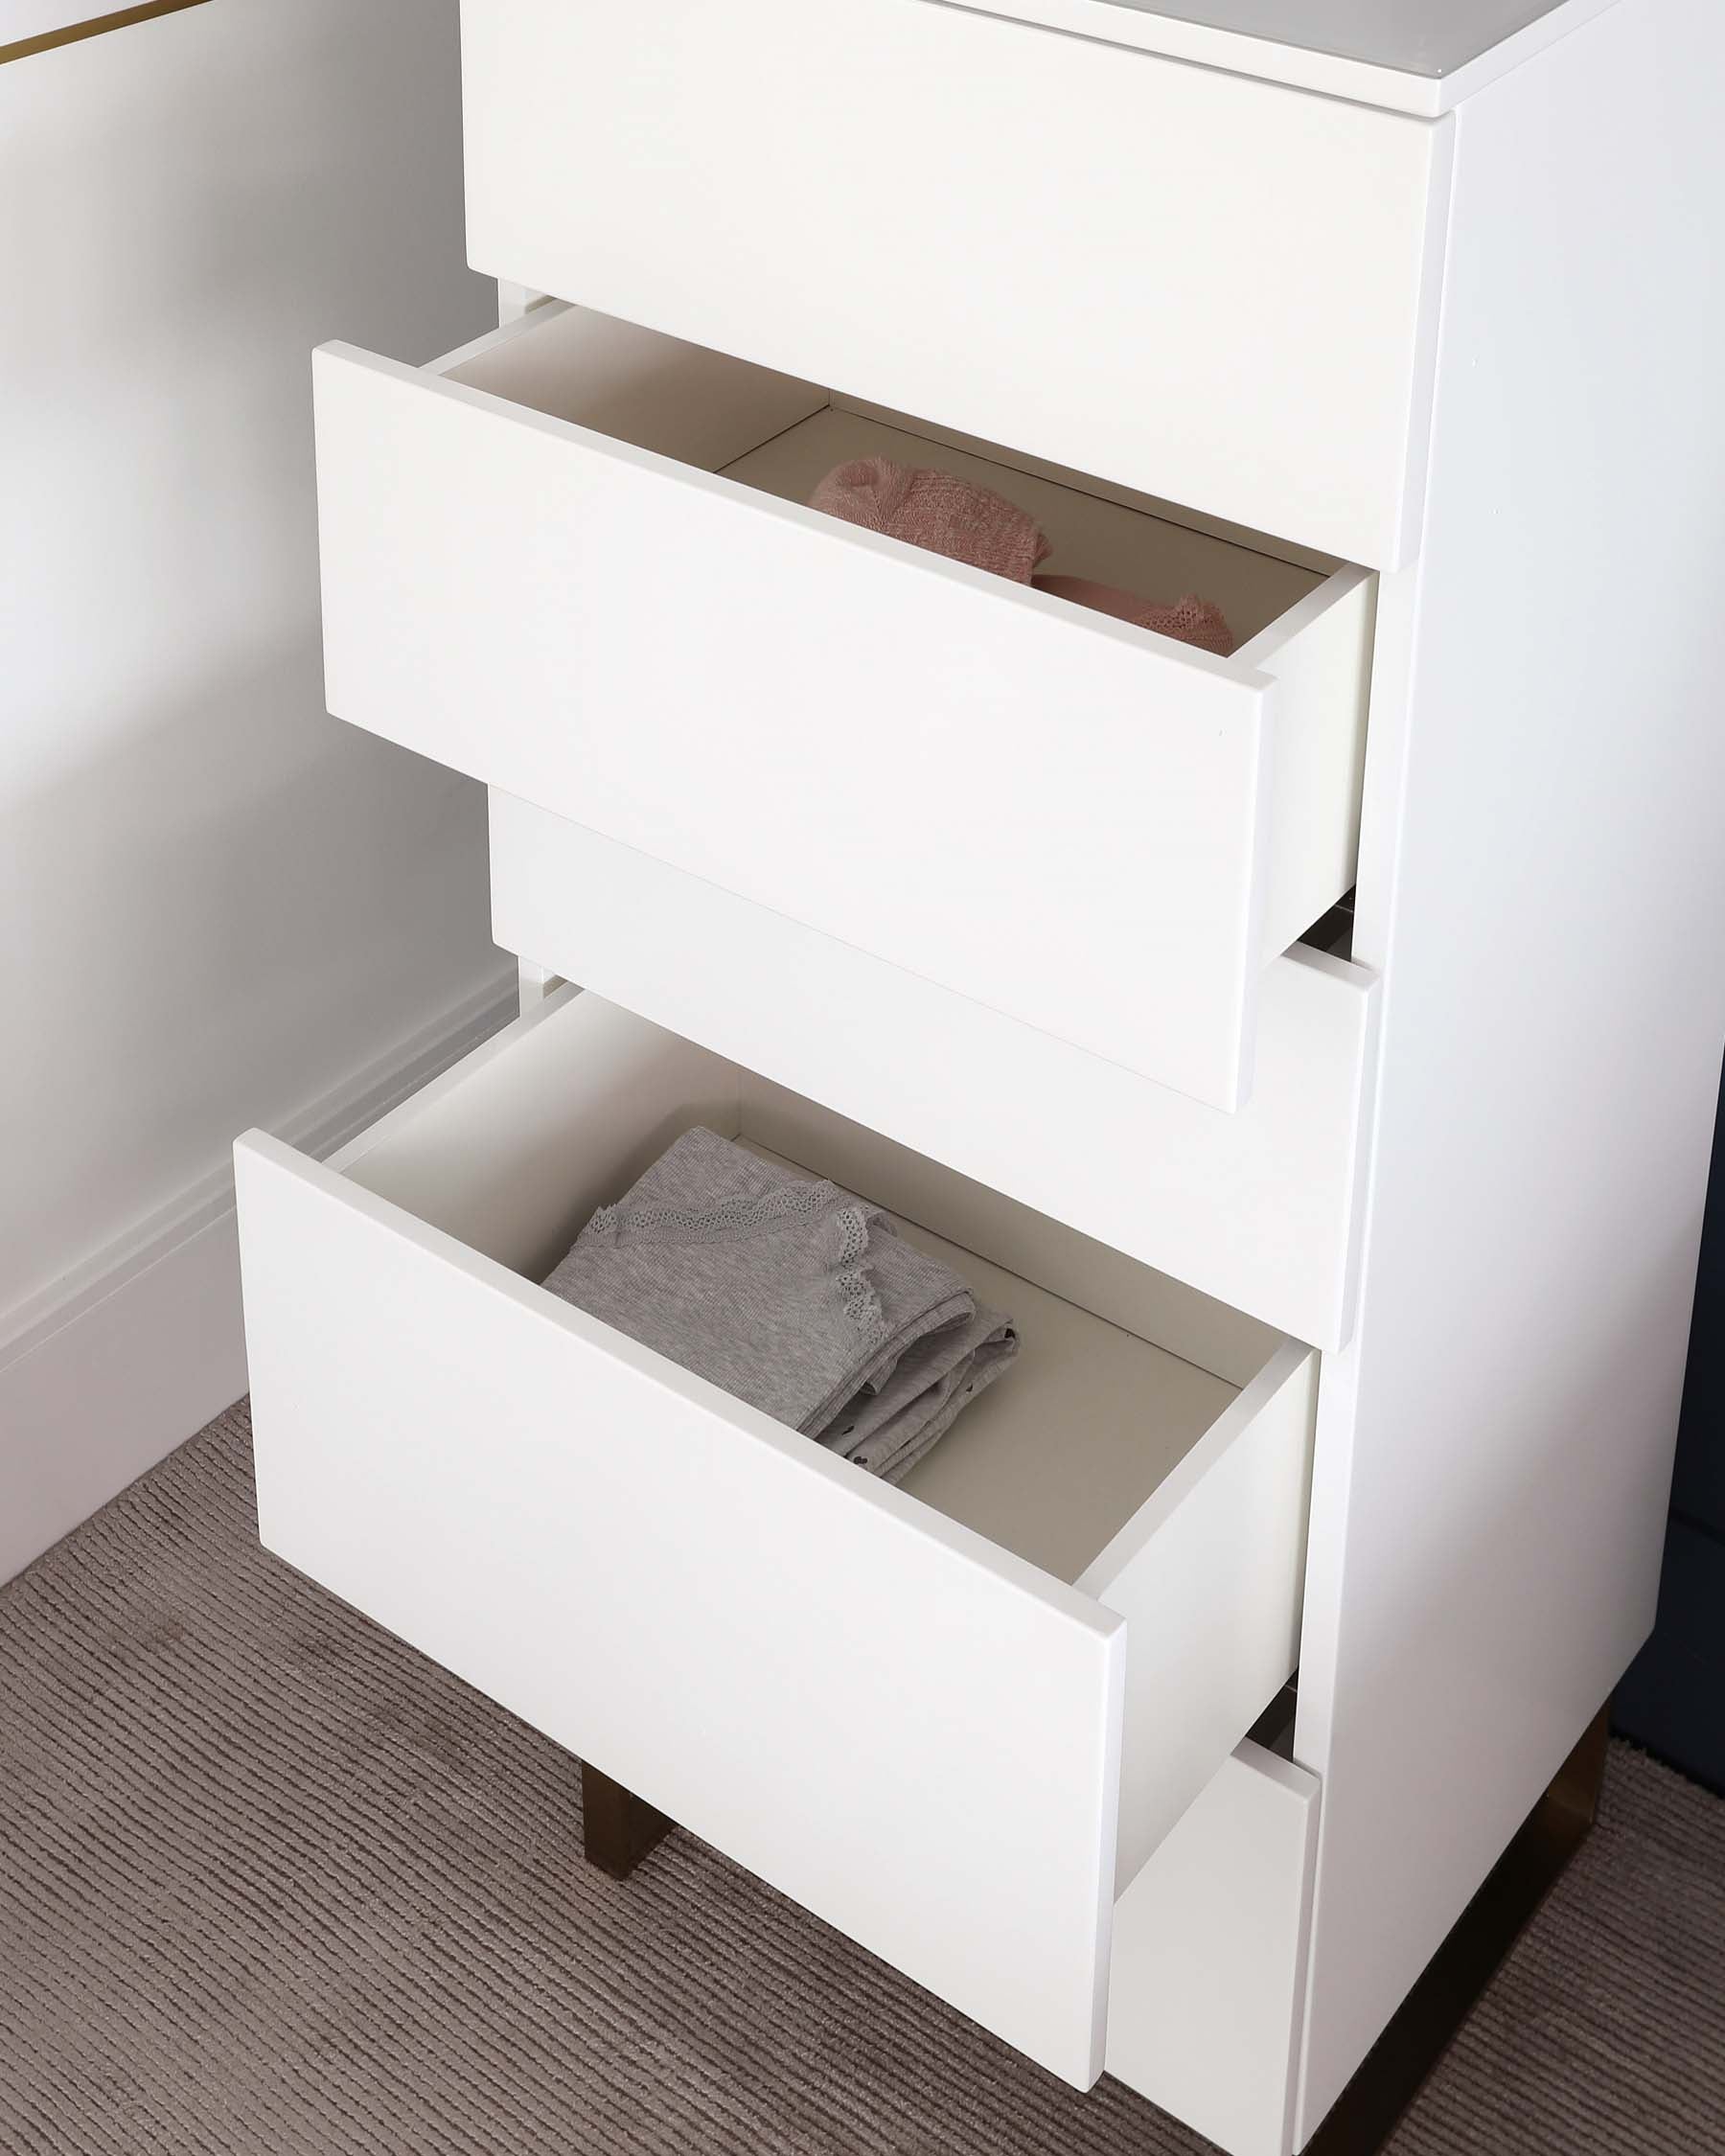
933 509
1193 620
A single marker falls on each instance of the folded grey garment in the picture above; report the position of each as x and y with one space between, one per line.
791 1294
889 1429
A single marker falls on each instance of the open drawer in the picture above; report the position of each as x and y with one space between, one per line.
1091 829
953 1718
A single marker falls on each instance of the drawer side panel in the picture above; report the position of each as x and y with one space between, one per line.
1208 1578
1321 656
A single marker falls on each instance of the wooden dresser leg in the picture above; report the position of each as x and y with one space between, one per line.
619 1829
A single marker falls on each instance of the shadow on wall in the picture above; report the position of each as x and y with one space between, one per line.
219 904
269 173
224 913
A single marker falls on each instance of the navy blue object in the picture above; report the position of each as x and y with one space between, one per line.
1673 1698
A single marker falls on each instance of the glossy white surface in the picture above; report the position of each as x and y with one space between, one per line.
677 1587
1543 884
1540 902
1099 831
1308 631
1200 286
1174 1573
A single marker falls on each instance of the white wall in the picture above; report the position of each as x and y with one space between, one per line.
218 906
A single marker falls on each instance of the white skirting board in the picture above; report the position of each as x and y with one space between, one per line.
115 1364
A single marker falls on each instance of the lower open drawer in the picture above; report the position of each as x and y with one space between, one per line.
953 1718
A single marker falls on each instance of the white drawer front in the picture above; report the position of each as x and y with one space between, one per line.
1219 290
1259 1210
1090 828
912 1728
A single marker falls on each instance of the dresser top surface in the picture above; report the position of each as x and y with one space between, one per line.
1414 55
1414 37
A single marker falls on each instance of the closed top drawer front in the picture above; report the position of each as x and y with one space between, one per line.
1095 830
953 1718
1218 291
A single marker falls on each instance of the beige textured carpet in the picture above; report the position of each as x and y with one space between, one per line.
270 1882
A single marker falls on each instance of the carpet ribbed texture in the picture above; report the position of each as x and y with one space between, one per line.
271 1882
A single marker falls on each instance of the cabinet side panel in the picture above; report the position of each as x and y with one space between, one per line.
1544 889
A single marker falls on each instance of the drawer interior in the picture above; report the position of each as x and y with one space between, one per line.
1040 1652
1121 1373
782 437
1049 1468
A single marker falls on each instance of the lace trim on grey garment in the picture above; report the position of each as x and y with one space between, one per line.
731 1217
856 1291
743 1215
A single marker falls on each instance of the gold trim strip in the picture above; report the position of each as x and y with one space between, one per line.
74 32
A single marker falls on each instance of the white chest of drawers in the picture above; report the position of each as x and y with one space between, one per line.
1366 1280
